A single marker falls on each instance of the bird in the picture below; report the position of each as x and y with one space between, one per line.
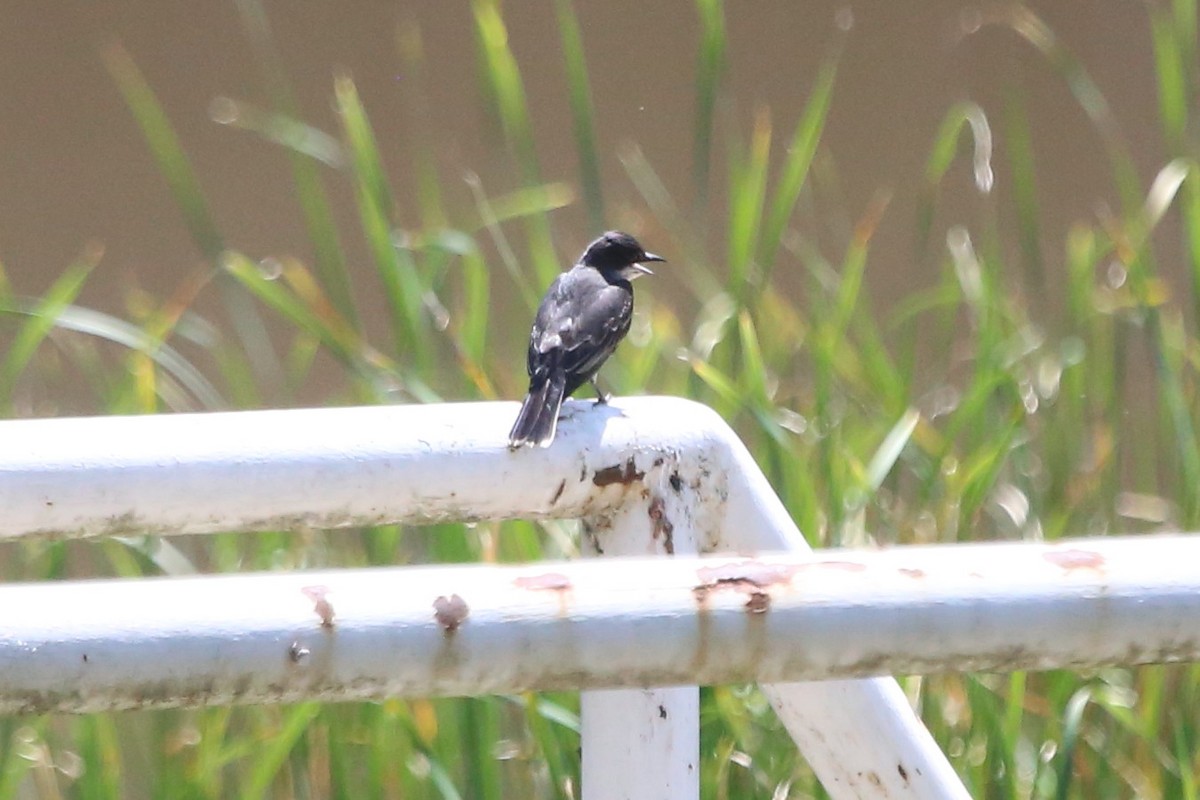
582 318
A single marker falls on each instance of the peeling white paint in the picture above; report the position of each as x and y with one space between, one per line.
200 473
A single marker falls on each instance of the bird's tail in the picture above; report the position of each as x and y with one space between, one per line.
538 419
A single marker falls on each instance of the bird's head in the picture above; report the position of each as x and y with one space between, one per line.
618 252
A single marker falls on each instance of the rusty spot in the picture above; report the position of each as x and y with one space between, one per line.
754 573
749 577
548 581
1075 559
759 602
626 473
558 492
903 772
676 482
450 613
321 604
663 527
912 573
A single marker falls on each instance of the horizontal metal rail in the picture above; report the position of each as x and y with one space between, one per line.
468 630
645 475
339 467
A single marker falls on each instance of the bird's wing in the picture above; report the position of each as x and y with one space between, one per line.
580 322
603 323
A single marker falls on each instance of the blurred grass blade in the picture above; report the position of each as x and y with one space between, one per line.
969 116
558 714
185 189
17 745
442 781
701 281
105 326
314 204
710 66
890 448
1015 709
799 158
428 180
1185 756
1171 72
1168 341
941 156
557 751
168 152
753 367
288 132
277 747
473 321
299 302
747 195
490 220
982 469
503 79
302 303
43 317
159 324
967 269
1162 193
725 387
160 552
1033 29
100 745
1168 344
1190 212
1072 725
581 111
402 285
854 264
531 200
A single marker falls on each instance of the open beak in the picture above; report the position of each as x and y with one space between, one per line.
647 257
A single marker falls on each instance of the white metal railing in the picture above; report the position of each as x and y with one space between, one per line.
649 477
476 629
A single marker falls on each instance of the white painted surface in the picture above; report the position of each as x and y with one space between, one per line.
602 623
357 466
642 744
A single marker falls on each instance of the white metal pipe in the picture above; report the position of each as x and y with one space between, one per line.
643 744
861 737
353 466
331 467
604 623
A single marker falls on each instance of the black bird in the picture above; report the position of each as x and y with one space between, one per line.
582 318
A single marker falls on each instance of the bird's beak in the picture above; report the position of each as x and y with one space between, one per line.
647 257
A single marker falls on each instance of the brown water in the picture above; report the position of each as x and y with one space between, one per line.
74 168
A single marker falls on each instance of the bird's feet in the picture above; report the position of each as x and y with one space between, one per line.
602 397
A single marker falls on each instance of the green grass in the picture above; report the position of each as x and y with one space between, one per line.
908 428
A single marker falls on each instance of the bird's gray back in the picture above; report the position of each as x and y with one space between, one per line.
583 311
